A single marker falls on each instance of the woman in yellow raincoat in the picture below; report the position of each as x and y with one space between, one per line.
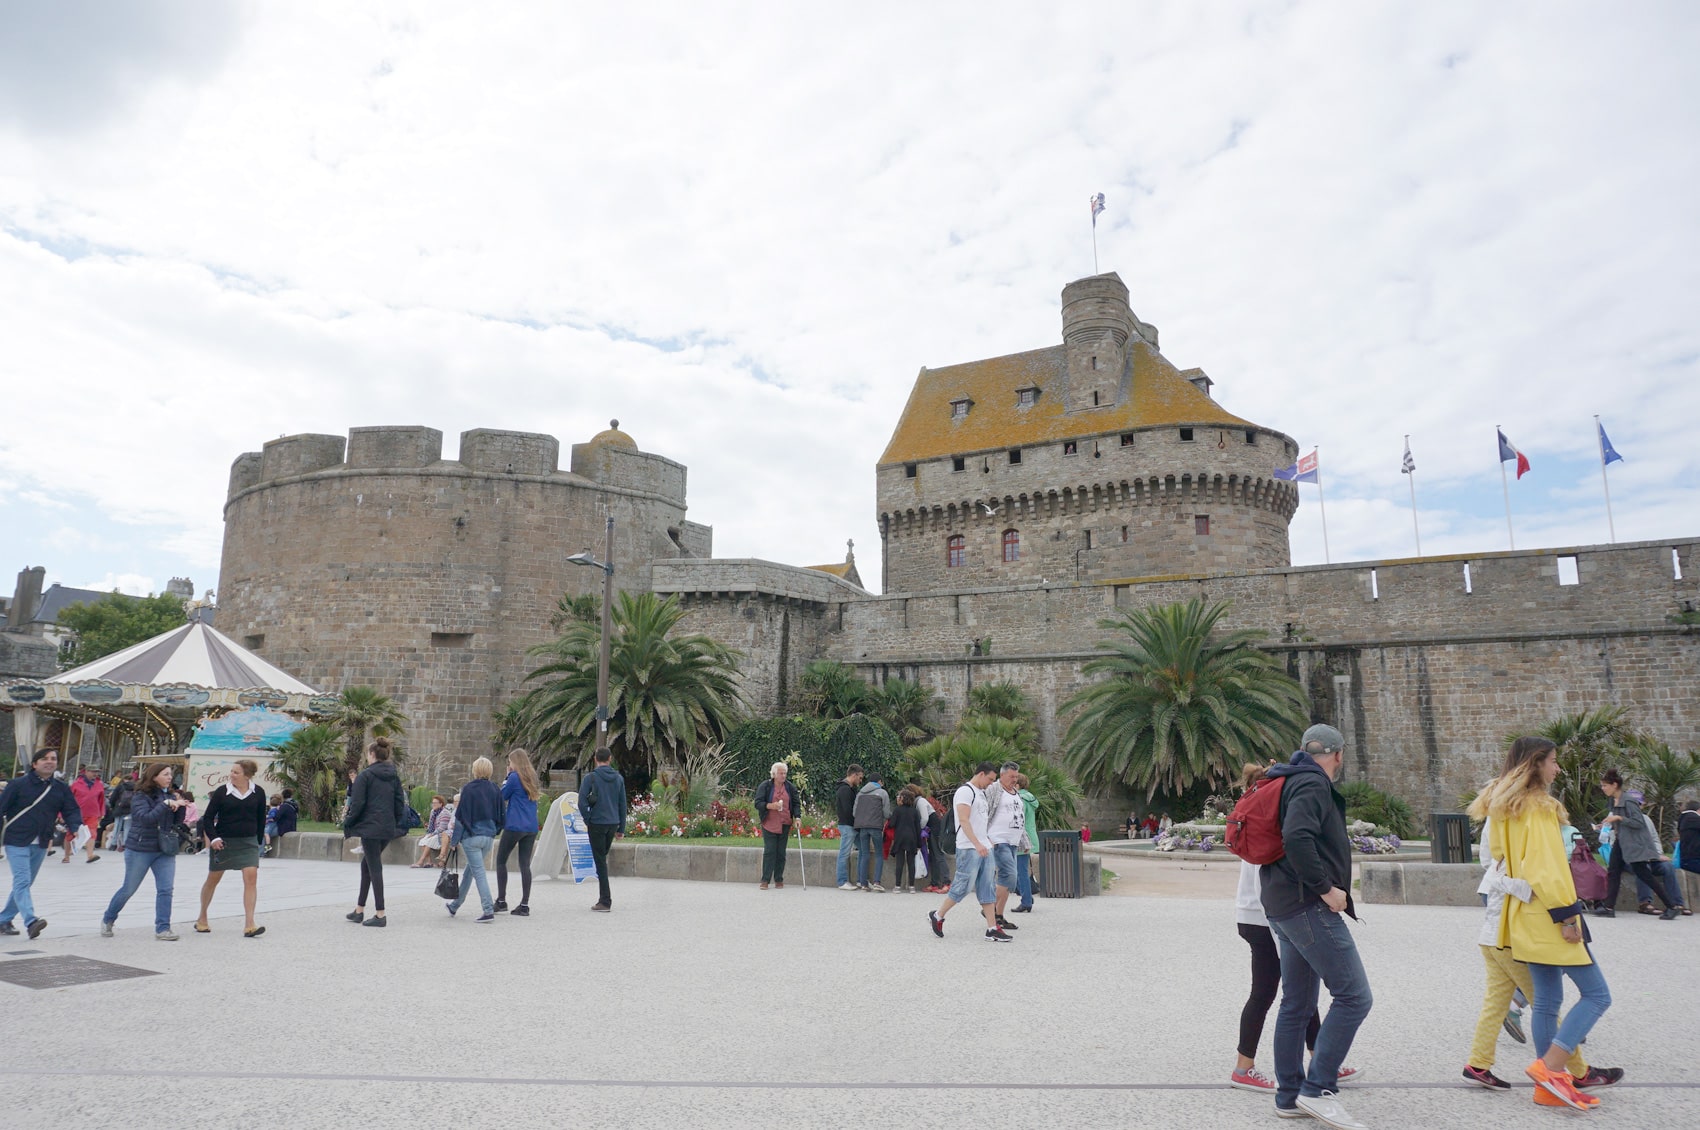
1546 931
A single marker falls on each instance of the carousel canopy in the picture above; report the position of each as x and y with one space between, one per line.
195 655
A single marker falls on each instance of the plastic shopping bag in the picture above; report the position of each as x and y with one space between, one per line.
920 865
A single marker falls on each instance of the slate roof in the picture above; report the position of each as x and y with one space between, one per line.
1160 395
58 597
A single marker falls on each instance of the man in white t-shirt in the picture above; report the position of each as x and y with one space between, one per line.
1007 828
974 864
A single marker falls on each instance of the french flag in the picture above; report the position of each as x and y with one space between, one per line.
1508 452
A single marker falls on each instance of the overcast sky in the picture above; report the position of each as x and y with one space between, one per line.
742 230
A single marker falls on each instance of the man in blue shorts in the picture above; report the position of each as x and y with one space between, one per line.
974 864
1007 829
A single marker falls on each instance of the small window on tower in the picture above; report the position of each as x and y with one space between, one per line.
1011 545
1251 437
1127 439
1015 457
1094 362
958 463
1124 533
1094 400
953 551
1071 448
1186 435
909 470
1201 524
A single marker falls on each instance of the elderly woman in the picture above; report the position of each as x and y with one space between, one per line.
438 828
778 805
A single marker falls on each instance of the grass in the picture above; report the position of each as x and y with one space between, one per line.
731 841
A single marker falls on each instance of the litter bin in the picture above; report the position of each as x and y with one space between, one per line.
1449 837
1061 866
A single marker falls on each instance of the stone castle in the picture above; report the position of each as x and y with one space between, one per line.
1021 500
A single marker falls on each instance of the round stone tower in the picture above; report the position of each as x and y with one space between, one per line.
378 562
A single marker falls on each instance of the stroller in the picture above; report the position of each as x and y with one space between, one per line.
188 838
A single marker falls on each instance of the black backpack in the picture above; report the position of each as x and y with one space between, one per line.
947 830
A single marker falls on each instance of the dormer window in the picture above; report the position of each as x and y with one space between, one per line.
1027 397
959 408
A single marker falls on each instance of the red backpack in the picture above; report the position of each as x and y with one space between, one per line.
1254 826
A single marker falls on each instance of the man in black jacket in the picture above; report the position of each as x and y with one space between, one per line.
28 809
1304 894
844 800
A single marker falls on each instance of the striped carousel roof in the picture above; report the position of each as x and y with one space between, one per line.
194 654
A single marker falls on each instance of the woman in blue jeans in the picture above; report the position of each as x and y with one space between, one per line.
478 817
153 811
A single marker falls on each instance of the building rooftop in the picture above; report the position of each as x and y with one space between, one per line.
1159 395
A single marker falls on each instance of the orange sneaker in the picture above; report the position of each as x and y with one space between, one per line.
1559 1085
1544 1097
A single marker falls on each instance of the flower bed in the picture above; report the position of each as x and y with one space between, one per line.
1206 835
652 819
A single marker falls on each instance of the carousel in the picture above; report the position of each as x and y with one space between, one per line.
188 696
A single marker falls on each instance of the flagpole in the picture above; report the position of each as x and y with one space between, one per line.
1094 244
1504 486
1600 439
1322 505
1412 475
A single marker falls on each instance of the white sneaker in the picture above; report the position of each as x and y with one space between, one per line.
165 936
877 888
106 929
846 886
1326 1109
1290 1112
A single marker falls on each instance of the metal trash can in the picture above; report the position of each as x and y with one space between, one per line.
1061 865
1449 837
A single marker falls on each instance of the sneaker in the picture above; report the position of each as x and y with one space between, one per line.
1289 1112
1547 1098
165 936
376 921
1605 912
932 916
106 929
1022 910
1559 1085
451 908
521 911
875 887
1671 914
356 916
1482 1077
1251 1079
998 936
1006 924
485 919
1326 1109
1513 1026
847 886
36 928
501 906
1348 1076
8 930
602 908
1599 1077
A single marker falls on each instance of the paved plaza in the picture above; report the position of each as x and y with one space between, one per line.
711 1004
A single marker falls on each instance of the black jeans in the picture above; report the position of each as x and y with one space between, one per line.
1647 871
904 854
1265 983
372 873
772 856
526 842
601 840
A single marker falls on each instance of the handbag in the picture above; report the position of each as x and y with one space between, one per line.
170 842
1586 873
448 882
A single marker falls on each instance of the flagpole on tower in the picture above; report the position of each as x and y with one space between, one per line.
1505 487
1600 438
1410 469
1096 205
1321 504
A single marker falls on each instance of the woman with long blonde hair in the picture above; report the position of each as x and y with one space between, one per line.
1544 928
519 829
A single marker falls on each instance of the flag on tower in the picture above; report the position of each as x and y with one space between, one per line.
1410 465
1097 206
1508 453
1608 453
1304 471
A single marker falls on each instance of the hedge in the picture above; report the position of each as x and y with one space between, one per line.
827 747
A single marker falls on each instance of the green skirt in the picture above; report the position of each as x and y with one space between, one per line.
234 856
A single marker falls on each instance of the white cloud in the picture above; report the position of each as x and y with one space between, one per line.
743 235
128 583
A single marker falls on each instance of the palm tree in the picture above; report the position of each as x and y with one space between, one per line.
1663 775
1018 734
1180 706
1589 742
512 727
903 706
945 762
310 762
666 694
586 609
832 690
361 710
1001 700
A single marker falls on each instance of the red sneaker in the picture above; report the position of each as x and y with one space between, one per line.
1251 1079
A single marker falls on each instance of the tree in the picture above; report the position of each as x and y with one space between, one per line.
362 710
832 690
943 763
1589 742
586 609
116 621
1001 700
666 693
1663 775
903 706
311 763
1180 705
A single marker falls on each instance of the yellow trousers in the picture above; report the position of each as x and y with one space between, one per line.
1504 974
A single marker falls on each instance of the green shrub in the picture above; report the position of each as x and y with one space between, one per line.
744 807
702 826
420 798
827 749
1367 803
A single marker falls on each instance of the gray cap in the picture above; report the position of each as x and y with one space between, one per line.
1332 740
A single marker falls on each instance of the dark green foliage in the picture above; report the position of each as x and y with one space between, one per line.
903 706
944 763
116 621
1371 805
362 710
1589 742
1001 700
827 746
1663 775
420 798
311 763
832 690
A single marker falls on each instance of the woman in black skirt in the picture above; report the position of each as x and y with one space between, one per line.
233 824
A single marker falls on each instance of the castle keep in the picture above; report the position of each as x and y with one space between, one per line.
1021 500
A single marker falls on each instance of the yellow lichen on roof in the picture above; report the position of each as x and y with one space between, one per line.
1160 397
840 570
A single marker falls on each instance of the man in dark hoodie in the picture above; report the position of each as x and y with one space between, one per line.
602 800
30 804
1304 893
844 802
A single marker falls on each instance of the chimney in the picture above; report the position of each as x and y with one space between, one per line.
26 598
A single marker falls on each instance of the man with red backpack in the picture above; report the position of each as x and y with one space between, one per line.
1304 894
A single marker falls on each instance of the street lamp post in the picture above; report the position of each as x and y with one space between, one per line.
607 568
